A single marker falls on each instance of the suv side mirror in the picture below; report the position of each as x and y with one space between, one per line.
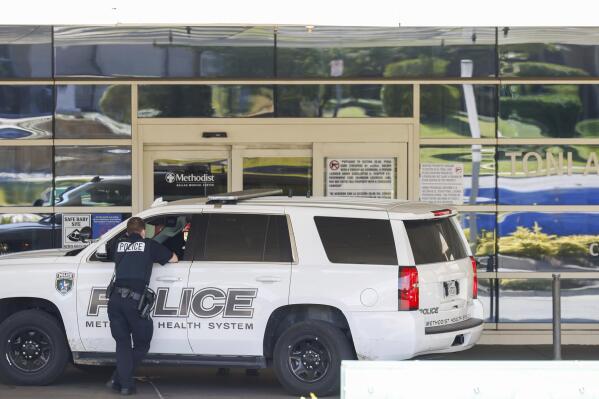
101 253
85 234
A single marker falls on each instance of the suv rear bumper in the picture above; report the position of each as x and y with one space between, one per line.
402 335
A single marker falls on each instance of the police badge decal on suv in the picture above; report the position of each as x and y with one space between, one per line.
297 284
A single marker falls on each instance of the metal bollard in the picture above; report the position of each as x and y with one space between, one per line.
557 318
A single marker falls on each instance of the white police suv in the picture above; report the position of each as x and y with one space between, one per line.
297 284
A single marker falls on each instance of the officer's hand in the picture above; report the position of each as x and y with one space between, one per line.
174 258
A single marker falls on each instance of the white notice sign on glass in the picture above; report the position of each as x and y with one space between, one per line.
442 183
360 177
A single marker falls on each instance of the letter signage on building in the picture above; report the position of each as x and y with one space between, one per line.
442 183
360 177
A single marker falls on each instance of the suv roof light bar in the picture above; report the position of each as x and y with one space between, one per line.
235 196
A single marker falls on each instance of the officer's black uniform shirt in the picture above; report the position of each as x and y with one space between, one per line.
134 257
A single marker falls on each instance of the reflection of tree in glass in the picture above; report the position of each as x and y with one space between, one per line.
555 109
176 100
238 100
116 103
533 243
483 244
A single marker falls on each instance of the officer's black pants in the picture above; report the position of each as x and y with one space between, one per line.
128 327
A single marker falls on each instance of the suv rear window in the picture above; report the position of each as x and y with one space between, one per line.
358 241
435 240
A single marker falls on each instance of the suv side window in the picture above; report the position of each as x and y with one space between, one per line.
357 241
244 238
173 231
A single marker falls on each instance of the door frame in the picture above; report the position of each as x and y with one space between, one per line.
253 135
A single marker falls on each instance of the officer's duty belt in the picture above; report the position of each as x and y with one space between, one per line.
127 293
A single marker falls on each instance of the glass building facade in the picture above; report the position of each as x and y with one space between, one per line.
515 109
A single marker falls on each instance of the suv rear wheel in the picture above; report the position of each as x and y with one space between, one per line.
33 348
307 358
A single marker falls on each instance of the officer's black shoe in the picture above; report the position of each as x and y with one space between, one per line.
128 391
113 384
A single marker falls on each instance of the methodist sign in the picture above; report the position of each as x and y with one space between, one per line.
172 183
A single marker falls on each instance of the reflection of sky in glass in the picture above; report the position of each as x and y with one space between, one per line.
164 51
26 51
25 112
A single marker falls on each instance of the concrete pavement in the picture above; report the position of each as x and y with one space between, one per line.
187 383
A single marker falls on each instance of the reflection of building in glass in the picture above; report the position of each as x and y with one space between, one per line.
77 104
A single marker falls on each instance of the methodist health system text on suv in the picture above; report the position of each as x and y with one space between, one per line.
297 284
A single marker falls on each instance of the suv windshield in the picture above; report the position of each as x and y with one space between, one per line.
435 240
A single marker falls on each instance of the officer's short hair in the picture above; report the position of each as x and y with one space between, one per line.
135 225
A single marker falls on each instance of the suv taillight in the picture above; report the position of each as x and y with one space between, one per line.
408 293
474 278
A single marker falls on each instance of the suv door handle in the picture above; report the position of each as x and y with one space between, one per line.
268 279
168 279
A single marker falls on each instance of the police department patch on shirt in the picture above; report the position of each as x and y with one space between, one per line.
138 246
64 282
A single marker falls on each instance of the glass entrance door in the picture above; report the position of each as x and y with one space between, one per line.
301 159
285 168
180 173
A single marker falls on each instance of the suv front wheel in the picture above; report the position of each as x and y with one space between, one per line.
307 358
33 348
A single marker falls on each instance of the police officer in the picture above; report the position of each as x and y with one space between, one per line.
134 256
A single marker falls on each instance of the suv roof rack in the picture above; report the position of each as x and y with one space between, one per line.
235 196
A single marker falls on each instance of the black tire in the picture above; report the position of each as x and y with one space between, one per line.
44 341
322 340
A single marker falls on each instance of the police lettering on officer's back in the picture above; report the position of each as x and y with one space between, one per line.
131 301
131 247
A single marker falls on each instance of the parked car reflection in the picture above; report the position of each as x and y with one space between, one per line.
100 191
29 232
